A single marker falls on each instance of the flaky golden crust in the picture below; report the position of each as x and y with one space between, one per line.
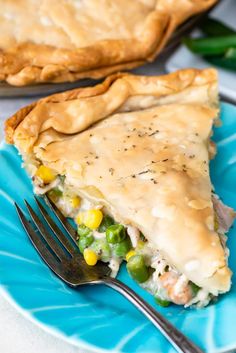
29 62
138 145
12 123
165 86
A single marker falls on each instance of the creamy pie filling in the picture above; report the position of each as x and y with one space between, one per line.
101 238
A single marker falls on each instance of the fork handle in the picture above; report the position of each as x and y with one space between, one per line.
181 343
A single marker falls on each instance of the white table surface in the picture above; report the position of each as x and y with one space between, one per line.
17 334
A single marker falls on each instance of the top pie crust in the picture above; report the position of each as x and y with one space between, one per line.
144 132
65 40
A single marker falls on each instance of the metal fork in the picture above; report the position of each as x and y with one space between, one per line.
60 252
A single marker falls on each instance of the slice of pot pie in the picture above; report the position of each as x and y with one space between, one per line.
128 159
67 40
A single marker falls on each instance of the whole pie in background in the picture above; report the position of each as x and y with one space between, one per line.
66 40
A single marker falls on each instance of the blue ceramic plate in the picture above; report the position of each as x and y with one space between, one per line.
96 318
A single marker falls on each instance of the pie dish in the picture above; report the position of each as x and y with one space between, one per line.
59 40
136 149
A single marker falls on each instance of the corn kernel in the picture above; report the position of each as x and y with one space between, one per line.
80 218
75 201
130 254
46 174
90 257
92 218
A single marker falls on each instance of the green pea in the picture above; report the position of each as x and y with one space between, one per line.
121 249
137 268
106 222
102 249
83 230
161 302
194 288
84 242
54 194
115 233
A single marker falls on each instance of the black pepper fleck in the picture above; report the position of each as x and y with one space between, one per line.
125 149
154 181
111 170
165 160
153 133
144 172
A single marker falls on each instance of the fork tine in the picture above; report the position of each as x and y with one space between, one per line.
56 230
64 222
47 256
56 248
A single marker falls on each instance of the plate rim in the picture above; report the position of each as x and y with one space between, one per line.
77 342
